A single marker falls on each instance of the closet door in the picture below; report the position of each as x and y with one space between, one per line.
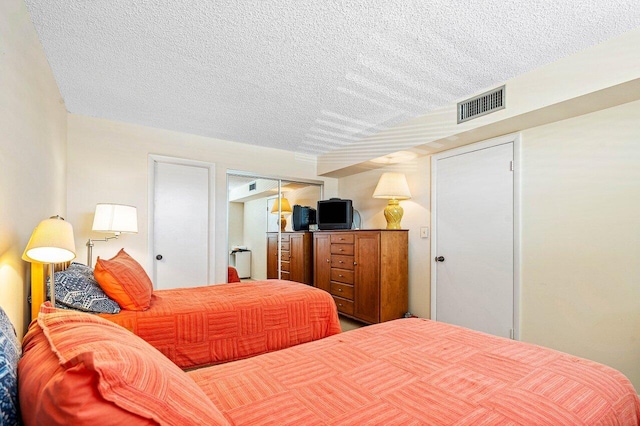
181 250
473 277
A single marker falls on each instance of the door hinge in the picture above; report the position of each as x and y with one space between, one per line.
510 166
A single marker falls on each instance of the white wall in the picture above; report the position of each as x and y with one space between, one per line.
255 236
236 225
580 235
32 152
108 163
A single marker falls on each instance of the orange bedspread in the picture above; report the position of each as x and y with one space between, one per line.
415 371
219 323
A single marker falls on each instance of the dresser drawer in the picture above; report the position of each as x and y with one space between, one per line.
342 262
284 245
342 275
346 249
342 290
342 238
285 255
284 275
345 306
284 266
285 237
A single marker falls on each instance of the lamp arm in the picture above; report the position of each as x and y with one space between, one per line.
90 246
52 284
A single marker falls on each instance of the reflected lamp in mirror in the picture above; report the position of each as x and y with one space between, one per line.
394 187
112 218
281 206
51 242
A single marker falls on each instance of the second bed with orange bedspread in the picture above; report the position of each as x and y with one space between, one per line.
214 324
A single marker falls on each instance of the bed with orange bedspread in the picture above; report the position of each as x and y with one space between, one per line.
416 371
79 369
219 323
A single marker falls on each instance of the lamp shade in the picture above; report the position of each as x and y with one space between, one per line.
284 205
115 218
51 242
392 186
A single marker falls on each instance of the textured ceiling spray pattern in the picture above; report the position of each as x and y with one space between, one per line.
308 76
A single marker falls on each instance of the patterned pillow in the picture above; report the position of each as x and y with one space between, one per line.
10 352
76 288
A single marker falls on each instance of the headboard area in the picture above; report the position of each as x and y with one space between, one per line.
39 273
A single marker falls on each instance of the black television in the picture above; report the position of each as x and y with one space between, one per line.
334 213
303 216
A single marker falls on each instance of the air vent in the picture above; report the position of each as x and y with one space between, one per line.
252 186
481 105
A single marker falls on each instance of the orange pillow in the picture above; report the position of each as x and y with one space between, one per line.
80 369
125 281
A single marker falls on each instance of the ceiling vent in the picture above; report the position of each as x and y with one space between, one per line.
252 186
481 105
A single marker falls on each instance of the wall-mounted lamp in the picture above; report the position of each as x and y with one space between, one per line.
51 242
282 206
394 187
112 218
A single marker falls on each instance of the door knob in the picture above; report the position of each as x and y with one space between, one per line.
440 259
159 257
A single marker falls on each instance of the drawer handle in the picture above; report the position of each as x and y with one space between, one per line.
341 249
339 289
340 261
328 261
340 275
340 305
355 263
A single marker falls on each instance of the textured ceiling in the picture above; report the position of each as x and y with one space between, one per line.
306 76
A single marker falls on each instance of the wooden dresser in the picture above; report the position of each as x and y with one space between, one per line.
366 272
296 260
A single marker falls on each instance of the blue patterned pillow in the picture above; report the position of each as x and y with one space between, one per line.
76 288
10 353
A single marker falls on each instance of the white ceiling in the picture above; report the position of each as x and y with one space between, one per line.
306 76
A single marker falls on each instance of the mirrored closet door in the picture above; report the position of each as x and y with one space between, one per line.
264 242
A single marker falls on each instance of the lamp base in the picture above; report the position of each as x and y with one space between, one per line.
283 223
393 213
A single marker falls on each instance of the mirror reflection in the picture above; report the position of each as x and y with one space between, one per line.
261 213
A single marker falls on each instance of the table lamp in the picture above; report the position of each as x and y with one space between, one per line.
394 187
112 218
282 206
51 242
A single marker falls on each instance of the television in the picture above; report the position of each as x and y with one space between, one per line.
303 216
334 213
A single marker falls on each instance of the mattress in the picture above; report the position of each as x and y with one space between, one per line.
214 324
416 371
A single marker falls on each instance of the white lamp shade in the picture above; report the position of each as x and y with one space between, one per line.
392 186
115 218
285 208
51 242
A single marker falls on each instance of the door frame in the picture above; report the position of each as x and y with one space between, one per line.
155 158
515 139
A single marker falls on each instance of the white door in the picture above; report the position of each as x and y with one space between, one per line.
473 266
181 229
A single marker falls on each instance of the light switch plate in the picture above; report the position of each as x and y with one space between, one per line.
424 232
